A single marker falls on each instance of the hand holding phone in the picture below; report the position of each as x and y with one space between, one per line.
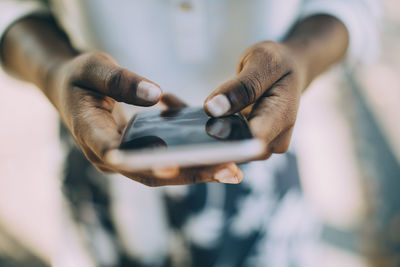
175 175
185 137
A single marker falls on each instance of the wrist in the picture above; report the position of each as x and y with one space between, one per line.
301 63
318 42
54 78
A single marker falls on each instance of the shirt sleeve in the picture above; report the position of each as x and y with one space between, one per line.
361 18
13 10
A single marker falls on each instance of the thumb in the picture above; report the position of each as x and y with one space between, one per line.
241 91
99 72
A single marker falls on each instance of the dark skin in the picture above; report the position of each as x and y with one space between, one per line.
272 76
86 89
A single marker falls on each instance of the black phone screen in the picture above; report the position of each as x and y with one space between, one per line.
179 127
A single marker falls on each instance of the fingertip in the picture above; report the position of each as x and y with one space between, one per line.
239 175
166 172
229 174
113 157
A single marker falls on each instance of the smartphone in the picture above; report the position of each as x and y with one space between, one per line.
185 137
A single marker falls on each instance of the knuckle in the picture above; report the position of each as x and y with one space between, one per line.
270 56
261 50
85 64
113 82
249 88
91 58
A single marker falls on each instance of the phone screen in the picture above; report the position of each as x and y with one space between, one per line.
180 127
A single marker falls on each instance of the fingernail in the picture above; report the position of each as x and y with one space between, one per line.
218 105
148 91
226 176
220 129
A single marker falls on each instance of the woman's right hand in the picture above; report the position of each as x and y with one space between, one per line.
87 89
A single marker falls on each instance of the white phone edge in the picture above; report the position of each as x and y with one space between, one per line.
185 156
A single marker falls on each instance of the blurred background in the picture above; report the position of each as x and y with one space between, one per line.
349 153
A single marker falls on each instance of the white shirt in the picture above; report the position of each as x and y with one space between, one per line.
189 47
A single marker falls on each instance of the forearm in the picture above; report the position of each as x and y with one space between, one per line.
32 48
318 42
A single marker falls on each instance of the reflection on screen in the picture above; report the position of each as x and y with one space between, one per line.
179 127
